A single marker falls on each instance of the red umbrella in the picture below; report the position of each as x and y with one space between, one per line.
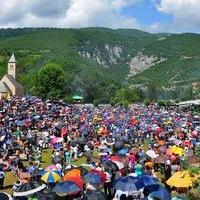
115 158
77 180
100 173
187 143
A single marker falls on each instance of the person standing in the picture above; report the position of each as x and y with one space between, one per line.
2 176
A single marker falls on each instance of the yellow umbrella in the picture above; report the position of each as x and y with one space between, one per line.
100 131
180 179
177 150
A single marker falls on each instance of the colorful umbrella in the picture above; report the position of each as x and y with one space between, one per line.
119 164
180 179
177 150
123 151
92 178
151 154
100 173
51 167
76 180
72 173
115 158
51 176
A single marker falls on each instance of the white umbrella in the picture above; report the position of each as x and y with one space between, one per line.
2 138
152 154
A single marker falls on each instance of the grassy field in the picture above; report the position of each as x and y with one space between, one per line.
46 155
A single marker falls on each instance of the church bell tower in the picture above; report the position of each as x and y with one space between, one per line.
12 66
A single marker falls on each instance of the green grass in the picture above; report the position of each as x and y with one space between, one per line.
46 161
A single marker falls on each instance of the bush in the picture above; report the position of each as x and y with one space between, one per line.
147 102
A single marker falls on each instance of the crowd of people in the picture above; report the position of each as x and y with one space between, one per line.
124 148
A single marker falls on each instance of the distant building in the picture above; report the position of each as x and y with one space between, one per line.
8 85
196 85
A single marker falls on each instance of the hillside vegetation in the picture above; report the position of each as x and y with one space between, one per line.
96 59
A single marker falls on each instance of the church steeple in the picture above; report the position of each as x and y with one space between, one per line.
12 66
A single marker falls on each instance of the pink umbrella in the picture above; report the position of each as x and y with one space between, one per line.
194 133
52 167
56 140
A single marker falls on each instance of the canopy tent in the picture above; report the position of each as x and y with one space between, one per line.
77 98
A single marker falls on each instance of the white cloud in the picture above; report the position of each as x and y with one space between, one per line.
186 15
66 13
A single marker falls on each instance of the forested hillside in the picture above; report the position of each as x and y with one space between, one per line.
99 60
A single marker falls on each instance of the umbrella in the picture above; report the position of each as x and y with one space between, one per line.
123 152
76 180
5 196
177 150
115 158
94 195
67 187
181 179
100 173
163 149
110 166
52 167
70 166
55 140
74 172
29 189
128 183
151 154
92 178
43 195
119 144
161 193
36 173
51 176
119 164
160 159
148 180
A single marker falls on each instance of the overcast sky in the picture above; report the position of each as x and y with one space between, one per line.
150 15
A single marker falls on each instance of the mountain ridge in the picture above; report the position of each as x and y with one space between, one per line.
122 56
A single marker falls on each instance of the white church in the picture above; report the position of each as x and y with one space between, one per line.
8 85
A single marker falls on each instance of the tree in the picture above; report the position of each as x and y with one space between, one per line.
151 91
49 82
126 96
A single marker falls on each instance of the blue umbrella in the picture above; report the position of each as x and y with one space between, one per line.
92 178
57 146
148 180
159 192
123 151
68 187
128 183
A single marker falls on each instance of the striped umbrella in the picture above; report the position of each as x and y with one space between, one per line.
51 176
